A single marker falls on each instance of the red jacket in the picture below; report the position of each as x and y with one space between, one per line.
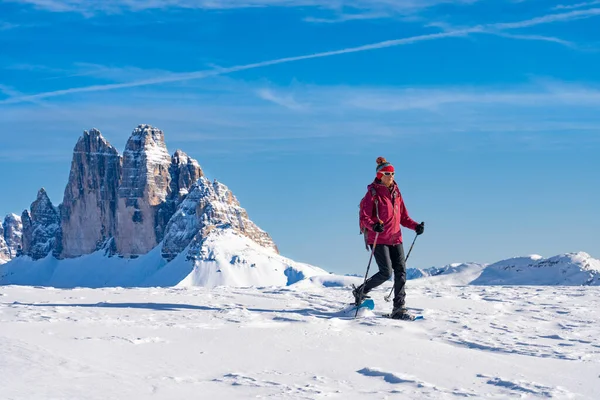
392 212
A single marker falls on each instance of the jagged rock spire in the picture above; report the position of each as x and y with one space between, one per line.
89 209
13 234
124 204
41 227
144 188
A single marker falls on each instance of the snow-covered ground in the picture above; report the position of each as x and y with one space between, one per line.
296 342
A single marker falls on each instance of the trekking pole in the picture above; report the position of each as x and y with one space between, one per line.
387 298
362 288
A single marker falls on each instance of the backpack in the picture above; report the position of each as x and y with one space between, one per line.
361 206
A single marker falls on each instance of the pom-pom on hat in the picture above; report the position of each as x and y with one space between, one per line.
383 166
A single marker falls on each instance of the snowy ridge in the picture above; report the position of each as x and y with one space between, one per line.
457 273
223 258
207 206
227 258
565 269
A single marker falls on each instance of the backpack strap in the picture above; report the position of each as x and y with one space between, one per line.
376 201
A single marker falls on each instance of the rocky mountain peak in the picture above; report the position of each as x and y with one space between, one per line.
93 185
43 209
13 234
41 227
144 188
209 206
125 204
91 136
185 171
146 161
4 253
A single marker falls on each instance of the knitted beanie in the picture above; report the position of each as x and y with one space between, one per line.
383 166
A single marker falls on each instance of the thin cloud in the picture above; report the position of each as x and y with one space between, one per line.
177 77
551 39
208 73
541 96
4 26
239 119
346 18
88 8
575 6
286 101
67 114
8 91
546 19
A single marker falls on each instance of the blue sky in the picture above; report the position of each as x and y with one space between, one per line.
487 109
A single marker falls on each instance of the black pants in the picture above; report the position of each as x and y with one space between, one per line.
389 258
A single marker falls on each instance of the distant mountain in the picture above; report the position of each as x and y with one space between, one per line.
11 232
565 269
148 218
455 268
144 218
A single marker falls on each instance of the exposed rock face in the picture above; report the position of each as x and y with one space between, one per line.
208 206
128 204
4 253
41 228
145 185
13 234
184 172
89 209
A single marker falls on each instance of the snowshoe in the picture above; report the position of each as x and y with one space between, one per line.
359 297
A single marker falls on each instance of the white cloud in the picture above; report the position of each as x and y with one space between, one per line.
4 26
574 6
339 117
537 96
178 77
346 17
284 100
542 38
546 19
89 7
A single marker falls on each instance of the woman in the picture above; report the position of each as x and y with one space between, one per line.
382 214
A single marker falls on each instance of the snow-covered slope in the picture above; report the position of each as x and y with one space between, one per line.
225 257
228 258
208 206
565 269
209 240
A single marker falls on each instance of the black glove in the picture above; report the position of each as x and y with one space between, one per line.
378 227
420 228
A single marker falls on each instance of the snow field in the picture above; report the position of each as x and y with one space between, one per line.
296 342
